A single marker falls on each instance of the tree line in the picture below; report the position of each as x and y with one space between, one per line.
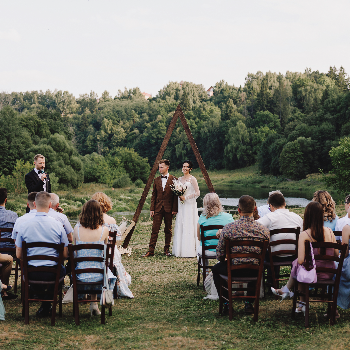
287 123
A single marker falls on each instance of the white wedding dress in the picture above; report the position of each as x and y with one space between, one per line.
185 233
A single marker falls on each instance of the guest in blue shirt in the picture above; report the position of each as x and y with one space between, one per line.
7 218
213 214
42 228
23 219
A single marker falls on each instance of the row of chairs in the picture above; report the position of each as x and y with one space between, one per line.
57 283
328 288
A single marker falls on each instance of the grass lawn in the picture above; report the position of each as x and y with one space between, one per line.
169 312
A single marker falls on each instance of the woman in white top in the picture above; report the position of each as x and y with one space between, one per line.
185 233
124 279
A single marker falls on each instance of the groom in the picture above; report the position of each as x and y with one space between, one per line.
163 205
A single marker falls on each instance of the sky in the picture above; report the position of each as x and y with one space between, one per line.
96 45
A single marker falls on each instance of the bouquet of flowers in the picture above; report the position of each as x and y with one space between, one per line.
178 188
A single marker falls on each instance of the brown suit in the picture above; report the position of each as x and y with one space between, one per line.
163 203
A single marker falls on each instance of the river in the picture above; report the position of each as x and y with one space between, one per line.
229 197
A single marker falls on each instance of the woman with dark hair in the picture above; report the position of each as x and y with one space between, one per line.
330 218
314 231
90 230
185 233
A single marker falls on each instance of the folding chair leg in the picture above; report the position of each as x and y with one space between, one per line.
221 303
256 308
204 273
307 306
294 300
16 277
60 303
53 316
76 313
103 315
198 273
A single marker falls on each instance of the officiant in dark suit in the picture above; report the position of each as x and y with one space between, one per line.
37 180
163 205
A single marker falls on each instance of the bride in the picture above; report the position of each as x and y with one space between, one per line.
185 238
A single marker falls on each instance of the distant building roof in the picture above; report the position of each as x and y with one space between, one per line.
210 91
146 95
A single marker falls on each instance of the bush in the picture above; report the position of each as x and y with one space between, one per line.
139 183
122 181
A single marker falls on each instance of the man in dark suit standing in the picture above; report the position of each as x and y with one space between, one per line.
37 180
163 205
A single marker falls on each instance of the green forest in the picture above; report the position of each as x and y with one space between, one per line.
290 124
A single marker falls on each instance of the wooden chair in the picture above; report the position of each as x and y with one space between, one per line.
79 287
226 281
202 257
293 254
338 235
12 251
57 283
329 288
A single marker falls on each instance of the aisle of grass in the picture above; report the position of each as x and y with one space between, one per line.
169 312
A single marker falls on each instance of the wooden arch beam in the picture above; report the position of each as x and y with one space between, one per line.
178 114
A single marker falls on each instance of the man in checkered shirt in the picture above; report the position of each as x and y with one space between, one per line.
245 228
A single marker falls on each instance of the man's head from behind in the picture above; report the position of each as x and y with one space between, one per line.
43 201
3 196
276 201
246 205
31 199
55 201
39 161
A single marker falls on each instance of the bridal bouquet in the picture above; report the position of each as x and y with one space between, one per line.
178 188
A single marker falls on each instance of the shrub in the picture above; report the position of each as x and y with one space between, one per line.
122 181
139 183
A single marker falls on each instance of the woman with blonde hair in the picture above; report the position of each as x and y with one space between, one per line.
330 218
213 214
123 278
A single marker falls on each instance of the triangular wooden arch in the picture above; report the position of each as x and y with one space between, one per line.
178 114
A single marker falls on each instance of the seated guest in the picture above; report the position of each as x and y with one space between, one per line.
90 230
7 218
344 285
124 279
243 228
345 220
278 218
5 271
42 228
55 200
212 214
330 218
25 217
265 209
314 231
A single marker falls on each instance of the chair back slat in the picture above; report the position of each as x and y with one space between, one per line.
338 235
262 245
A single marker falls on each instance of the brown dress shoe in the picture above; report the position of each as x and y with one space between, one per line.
167 253
147 255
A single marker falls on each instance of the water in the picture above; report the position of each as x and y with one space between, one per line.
229 197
